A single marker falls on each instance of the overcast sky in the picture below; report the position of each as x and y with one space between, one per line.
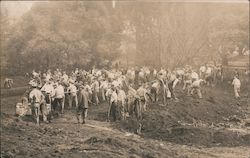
16 8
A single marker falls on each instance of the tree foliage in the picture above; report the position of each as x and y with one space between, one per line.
86 33
63 34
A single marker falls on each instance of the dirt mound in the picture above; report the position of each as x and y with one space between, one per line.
105 141
190 120
202 137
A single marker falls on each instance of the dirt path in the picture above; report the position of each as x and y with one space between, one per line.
65 138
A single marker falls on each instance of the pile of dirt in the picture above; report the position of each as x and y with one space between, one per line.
201 136
189 121
106 141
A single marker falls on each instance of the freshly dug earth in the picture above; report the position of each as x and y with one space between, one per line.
201 122
215 126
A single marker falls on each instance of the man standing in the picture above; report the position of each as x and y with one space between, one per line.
236 83
59 97
96 88
103 87
48 91
172 82
142 92
82 108
121 99
187 81
202 71
37 103
72 91
112 104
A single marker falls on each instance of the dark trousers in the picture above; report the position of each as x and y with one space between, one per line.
81 113
58 104
170 87
113 111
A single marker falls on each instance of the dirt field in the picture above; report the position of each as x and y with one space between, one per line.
215 126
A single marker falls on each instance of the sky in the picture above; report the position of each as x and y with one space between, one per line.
16 8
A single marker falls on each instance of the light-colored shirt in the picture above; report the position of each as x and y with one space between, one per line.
108 92
236 82
121 96
113 97
88 89
96 86
104 85
203 69
209 71
155 84
194 75
141 74
172 77
59 91
175 82
141 91
65 77
48 88
115 83
37 95
196 83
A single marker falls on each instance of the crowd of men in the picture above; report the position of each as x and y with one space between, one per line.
126 91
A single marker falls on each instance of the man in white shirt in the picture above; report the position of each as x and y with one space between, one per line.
65 77
202 71
72 91
172 82
38 103
194 76
103 88
48 91
115 83
236 83
59 97
195 86
88 89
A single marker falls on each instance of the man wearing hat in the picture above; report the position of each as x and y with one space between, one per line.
82 108
37 103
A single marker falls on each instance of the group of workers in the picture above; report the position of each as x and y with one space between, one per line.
126 91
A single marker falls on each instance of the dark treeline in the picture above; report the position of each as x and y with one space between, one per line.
83 33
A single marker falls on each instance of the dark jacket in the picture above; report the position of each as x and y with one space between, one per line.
82 99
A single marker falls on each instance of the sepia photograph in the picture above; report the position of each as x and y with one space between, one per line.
125 79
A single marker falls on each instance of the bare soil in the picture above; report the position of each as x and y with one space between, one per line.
215 126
